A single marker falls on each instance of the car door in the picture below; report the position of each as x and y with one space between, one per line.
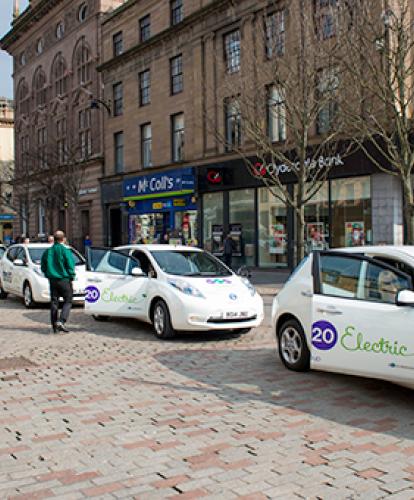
7 269
357 326
20 272
111 289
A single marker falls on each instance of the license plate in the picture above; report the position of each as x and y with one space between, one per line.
239 314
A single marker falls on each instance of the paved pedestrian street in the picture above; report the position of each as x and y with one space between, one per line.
108 411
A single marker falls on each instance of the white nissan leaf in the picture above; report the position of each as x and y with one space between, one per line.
173 287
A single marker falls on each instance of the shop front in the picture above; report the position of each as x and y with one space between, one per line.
162 207
346 211
6 228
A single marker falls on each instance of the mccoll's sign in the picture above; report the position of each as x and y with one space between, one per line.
271 169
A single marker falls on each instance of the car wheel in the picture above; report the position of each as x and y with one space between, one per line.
28 296
161 321
3 293
293 348
97 317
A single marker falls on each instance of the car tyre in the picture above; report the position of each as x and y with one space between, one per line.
98 317
28 296
3 293
161 321
293 348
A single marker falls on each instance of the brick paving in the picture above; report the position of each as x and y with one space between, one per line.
111 412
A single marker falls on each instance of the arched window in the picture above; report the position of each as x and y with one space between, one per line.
40 87
23 98
59 75
83 63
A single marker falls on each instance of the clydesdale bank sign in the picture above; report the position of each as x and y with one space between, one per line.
271 169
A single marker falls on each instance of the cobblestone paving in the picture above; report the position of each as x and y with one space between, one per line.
110 412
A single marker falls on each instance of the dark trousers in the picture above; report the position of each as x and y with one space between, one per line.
227 258
60 288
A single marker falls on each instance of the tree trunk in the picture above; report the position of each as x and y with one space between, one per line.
300 234
408 211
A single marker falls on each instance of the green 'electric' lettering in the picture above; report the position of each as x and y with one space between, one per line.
353 341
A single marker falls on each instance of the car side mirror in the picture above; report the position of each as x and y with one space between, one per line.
244 272
137 272
19 262
405 298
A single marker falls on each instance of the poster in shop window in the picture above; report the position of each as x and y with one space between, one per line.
354 234
315 236
277 241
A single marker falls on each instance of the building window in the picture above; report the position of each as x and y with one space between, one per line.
117 44
176 70
145 28
85 134
177 11
22 59
213 220
276 114
275 34
83 64
233 124
41 217
119 152
145 88
60 30
41 146
23 98
39 46
118 99
146 145
60 76
326 18
177 132
40 87
82 12
327 87
232 51
61 140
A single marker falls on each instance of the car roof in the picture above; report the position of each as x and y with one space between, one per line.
380 249
162 248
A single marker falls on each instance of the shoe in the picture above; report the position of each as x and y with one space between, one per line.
61 327
54 329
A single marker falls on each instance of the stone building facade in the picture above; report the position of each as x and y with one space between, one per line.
7 214
56 46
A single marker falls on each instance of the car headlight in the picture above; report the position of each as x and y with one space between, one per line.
249 286
38 271
186 288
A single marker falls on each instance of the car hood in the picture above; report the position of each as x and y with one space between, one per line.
227 288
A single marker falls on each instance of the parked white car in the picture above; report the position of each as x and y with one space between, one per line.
20 274
2 250
173 287
350 311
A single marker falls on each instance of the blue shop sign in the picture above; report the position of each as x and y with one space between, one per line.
7 217
172 182
162 205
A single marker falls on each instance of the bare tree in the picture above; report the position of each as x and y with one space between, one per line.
380 70
284 102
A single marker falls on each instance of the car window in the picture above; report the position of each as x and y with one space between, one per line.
144 261
2 251
109 261
11 254
401 266
381 284
189 263
339 275
21 255
36 255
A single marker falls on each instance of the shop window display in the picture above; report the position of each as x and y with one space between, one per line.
242 226
351 212
317 221
273 232
213 222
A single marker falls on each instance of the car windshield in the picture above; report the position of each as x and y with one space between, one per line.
36 255
189 263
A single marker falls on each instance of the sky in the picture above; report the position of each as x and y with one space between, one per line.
6 63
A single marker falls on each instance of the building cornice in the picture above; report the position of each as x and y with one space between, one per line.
26 20
159 37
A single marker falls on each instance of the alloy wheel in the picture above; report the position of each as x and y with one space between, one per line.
291 345
28 299
159 320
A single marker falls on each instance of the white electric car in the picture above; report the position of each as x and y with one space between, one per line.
20 274
2 250
173 287
350 311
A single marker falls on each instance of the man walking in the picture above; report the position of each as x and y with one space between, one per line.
59 268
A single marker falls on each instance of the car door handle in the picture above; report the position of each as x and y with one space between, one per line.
94 280
307 293
329 310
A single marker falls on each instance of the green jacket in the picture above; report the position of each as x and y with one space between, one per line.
57 263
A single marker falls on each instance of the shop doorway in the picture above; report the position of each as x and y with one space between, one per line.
115 227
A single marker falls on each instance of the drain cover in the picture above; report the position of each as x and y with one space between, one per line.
15 363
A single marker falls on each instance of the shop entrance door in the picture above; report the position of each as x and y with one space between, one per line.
115 227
